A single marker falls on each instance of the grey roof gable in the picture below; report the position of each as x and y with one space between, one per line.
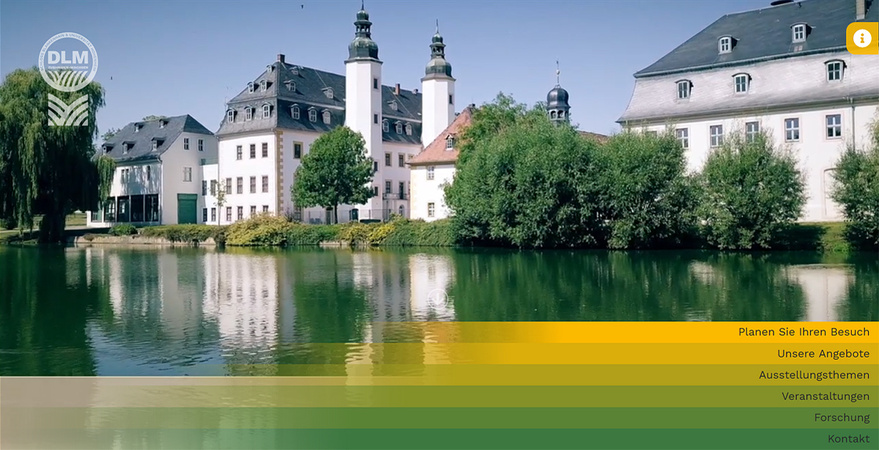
141 141
290 84
764 34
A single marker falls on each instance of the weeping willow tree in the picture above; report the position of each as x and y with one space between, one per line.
47 171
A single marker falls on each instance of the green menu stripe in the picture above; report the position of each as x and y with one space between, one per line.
388 439
453 418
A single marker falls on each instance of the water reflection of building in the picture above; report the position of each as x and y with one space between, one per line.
825 288
430 278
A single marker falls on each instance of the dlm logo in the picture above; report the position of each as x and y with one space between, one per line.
68 62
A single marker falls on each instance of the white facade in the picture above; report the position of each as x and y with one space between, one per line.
438 106
780 94
146 192
428 191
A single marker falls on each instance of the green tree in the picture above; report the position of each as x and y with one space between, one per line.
856 189
335 171
152 117
750 191
646 199
221 198
109 134
522 181
47 170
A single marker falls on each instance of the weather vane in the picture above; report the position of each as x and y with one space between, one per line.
437 26
557 73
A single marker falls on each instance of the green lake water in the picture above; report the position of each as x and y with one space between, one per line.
195 311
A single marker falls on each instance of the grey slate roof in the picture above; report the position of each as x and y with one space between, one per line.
308 88
140 142
764 34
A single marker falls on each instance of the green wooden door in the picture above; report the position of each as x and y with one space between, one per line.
187 208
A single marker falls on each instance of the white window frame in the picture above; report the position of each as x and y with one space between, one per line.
250 87
450 142
792 129
155 145
328 92
752 130
312 115
187 174
185 143
386 126
431 209
230 116
715 136
295 112
798 33
684 89
248 113
266 111
724 45
201 145
327 117
398 127
833 130
263 85
388 159
742 83
683 136
408 129
834 68
430 172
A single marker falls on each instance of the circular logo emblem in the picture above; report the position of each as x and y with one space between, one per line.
68 62
862 38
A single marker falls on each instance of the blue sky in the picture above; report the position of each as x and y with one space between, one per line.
189 56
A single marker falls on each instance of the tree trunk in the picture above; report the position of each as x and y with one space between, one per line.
52 228
335 213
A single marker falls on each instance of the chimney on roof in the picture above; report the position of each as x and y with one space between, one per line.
281 58
860 9
415 91
397 89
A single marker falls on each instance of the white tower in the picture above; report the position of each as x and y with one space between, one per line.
363 100
438 92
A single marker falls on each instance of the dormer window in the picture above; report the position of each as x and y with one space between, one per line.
393 104
552 114
263 85
835 69
399 128
294 70
742 83
157 143
291 86
266 111
408 129
230 116
799 32
294 111
125 147
137 127
248 113
162 123
450 142
385 126
684 89
108 148
312 115
725 44
327 117
250 86
328 92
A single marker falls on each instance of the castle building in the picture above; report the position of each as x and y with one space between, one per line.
160 175
271 124
784 70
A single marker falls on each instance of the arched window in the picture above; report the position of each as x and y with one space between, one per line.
408 129
248 113
725 44
385 126
266 111
742 83
312 115
294 111
552 114
263 85
399 128
250 86
450 142
327 117
230 116
835 70
684 89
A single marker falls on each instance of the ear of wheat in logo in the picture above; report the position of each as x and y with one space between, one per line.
68 78
63 115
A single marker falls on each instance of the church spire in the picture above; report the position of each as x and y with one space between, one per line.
557 106
362 46
438 64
